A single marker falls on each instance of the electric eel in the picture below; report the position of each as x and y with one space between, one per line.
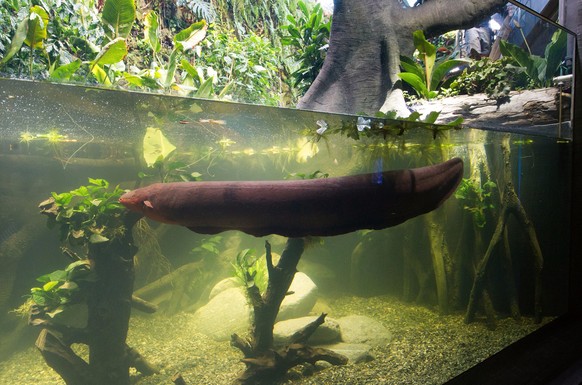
298 208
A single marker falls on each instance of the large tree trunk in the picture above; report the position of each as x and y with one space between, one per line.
359 74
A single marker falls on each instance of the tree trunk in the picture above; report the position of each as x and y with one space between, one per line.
360 72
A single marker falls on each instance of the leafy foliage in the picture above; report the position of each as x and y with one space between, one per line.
425 79
88 214
251 270
539 70
477 198
308 36
62 288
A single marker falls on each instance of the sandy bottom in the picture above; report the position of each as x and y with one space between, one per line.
426 349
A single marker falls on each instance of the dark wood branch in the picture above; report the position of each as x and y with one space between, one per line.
143 305
302 335
178 379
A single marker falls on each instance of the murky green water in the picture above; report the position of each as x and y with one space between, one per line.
53 138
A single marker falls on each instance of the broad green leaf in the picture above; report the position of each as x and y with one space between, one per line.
432 117
442 68
415 82
118 16
190 37
100 75
112 52
523 58
156 146
427 52
554 53
17 40
65 71
37 27
151 30
189 68
206 89
171 70
50 285
410 65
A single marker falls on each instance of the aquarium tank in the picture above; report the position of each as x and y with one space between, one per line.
172 224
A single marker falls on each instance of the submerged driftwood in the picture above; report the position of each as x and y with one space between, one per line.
316 207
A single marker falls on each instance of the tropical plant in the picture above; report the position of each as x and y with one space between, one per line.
251 270
477 198
88 214
308 36
62 288
540 70
426 78
495 78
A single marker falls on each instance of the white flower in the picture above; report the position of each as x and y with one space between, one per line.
363 124
322 126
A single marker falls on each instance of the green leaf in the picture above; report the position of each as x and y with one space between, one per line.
410 65
100 75
427 52
118 15
415 82
113 52
206 89
37 27
151 30
190 37
442 68
65 71
17 40
97 238
554 53
171 70
50 285
156 147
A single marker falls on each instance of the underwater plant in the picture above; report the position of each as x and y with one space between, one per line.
62 288
88 214
477 198
250 270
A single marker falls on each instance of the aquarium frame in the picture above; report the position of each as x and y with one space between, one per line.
553 352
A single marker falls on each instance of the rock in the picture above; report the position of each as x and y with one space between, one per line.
358 329
227 312
326 333
227 283
355 353
301 302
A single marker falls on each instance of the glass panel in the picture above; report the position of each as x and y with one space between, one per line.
407 304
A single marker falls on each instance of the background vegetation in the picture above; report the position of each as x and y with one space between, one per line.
264 51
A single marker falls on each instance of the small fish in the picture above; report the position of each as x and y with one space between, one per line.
213 121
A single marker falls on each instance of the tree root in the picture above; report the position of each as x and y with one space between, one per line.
263 363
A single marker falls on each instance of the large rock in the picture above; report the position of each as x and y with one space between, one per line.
227 312
326 333
359 329
301 302
355 353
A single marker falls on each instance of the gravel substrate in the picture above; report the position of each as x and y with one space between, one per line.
426 349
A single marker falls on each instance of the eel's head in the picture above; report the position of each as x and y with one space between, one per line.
139 201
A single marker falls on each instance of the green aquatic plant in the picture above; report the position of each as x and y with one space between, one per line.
318 174
88 214
209 245
477 198
250 270
426 78
62 288
384 125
